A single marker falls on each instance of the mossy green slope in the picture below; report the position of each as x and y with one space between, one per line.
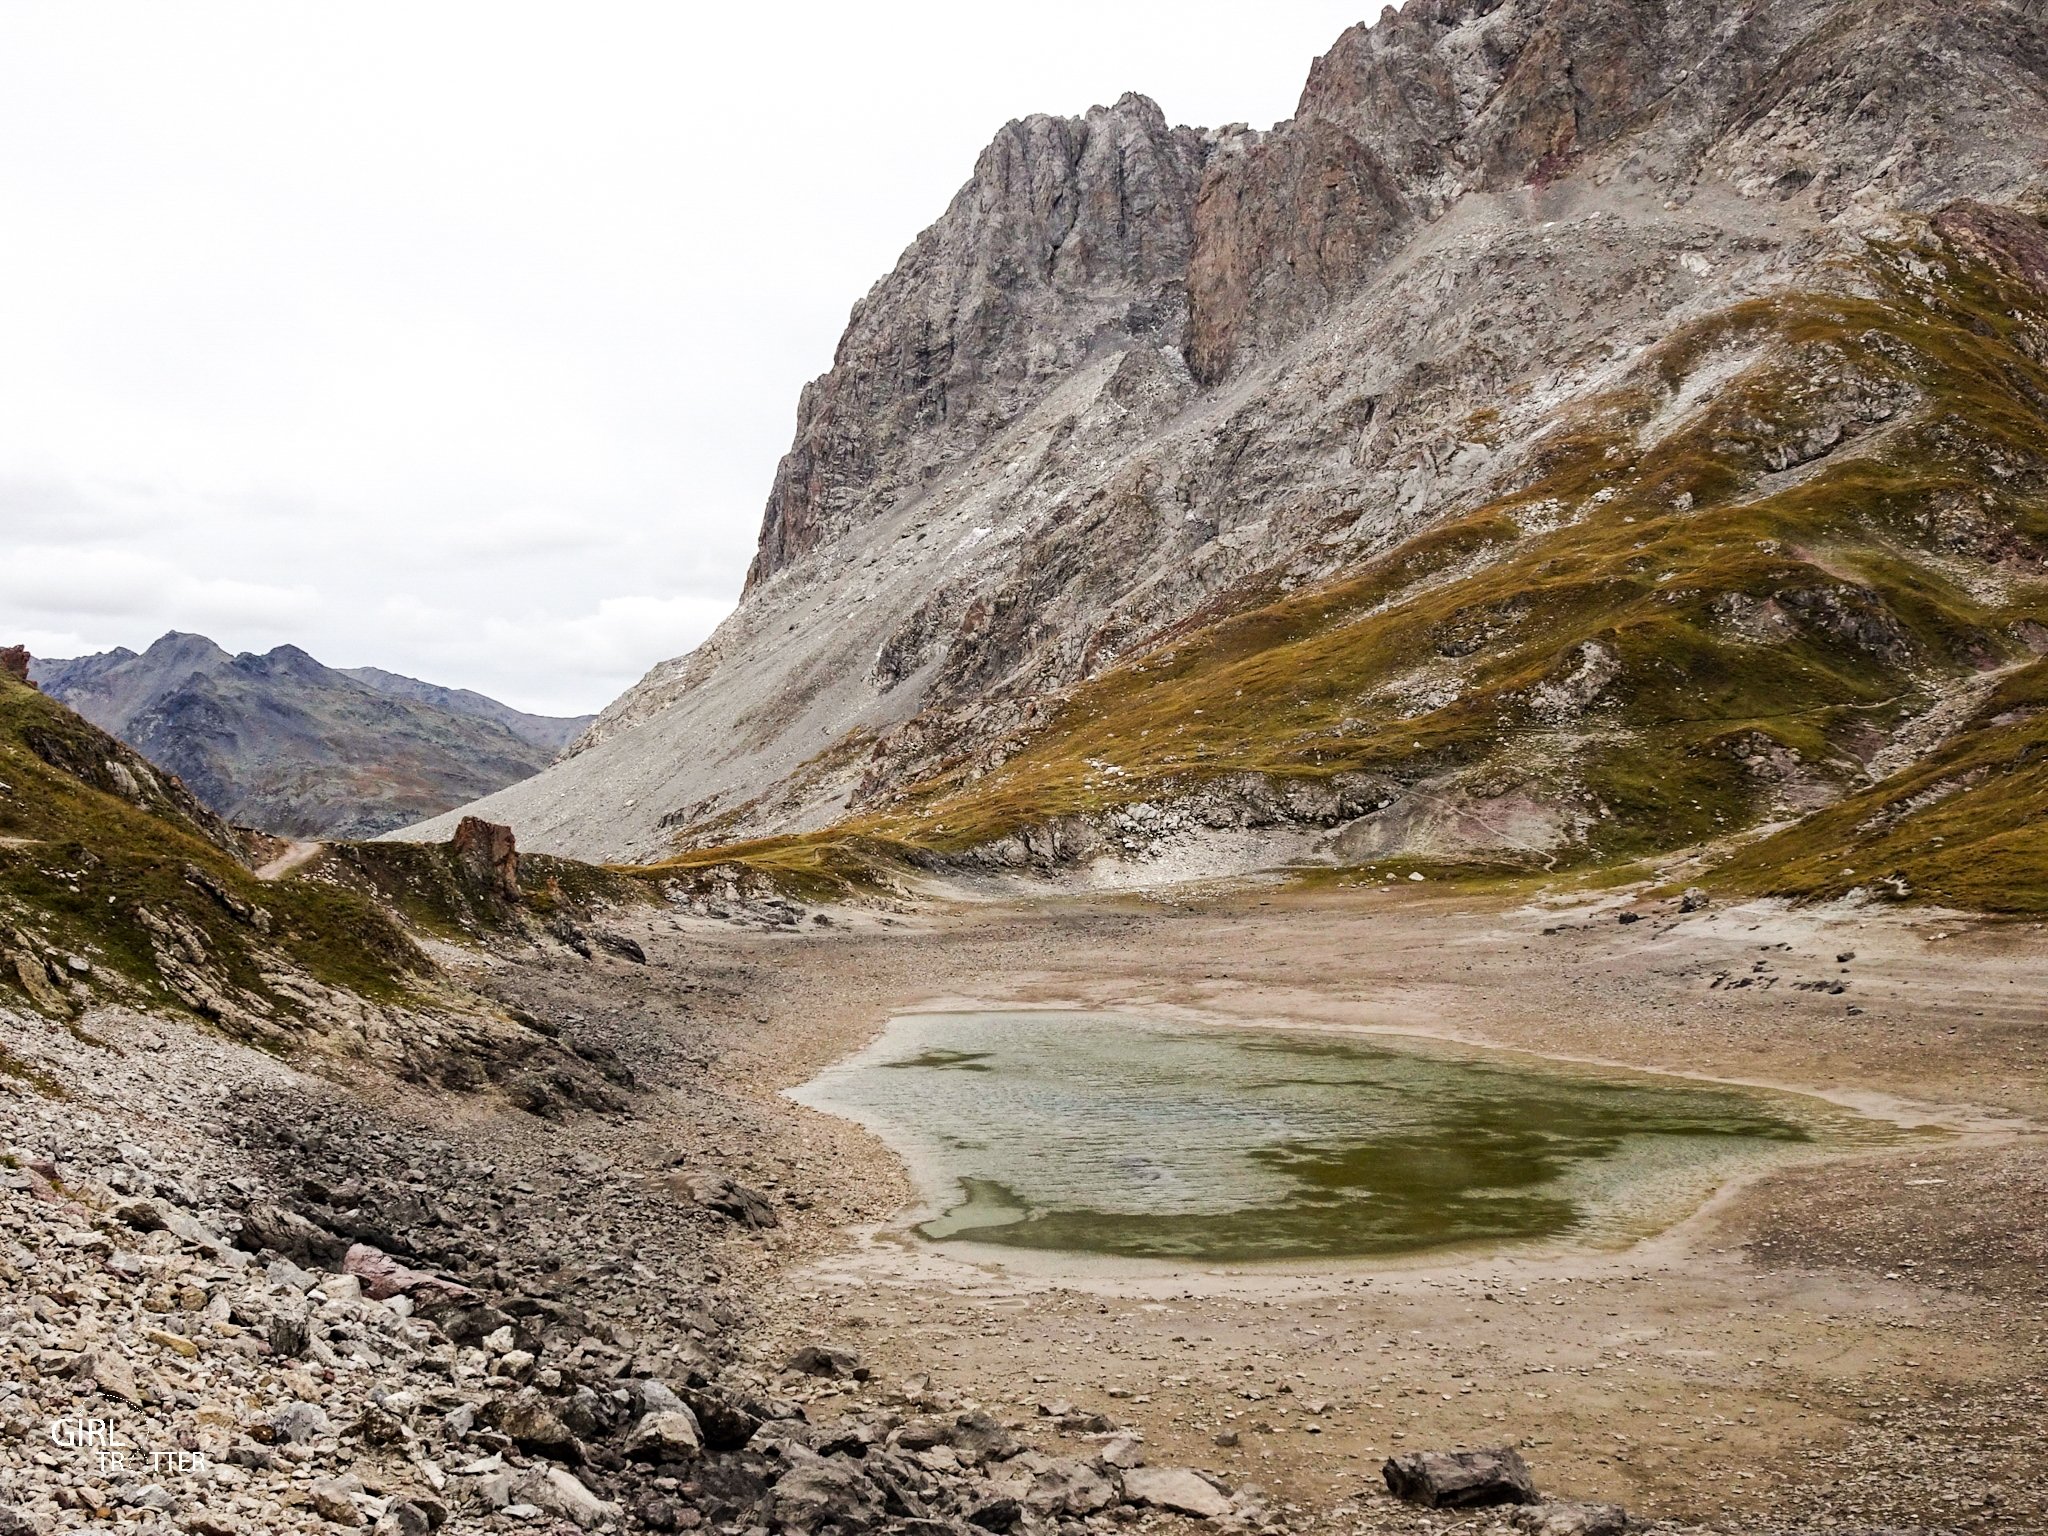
1967 827
104 860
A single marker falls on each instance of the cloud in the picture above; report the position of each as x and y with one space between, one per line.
555 664
100 583
464 339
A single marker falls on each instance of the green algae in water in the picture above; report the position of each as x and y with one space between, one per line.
1093 1133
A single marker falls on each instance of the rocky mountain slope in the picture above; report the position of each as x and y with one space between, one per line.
1585 430
549 732
282 743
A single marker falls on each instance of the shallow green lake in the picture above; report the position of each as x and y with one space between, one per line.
1096 1133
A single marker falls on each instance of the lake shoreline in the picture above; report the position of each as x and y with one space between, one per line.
1770 1269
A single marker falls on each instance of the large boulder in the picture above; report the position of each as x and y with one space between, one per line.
1460 1479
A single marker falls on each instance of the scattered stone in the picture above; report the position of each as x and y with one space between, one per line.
1693 900
1571 1519
818 1360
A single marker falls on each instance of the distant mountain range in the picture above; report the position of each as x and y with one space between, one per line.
285 744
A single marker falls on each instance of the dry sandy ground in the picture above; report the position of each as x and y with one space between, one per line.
1853 1345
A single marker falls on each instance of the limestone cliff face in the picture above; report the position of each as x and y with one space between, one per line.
1071 238
1140 378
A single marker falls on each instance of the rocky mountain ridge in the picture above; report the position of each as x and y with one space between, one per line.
1612 290
284 744
549 732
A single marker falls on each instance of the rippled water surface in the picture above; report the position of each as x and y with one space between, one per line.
1096 1133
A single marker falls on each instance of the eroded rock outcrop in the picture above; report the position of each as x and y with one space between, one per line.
1071 237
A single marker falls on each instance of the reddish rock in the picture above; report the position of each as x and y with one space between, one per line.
384 1277
14 663
2004 238
489 853
1281 231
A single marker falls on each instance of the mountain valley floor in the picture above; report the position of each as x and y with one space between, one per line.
1857 1344
1862 1341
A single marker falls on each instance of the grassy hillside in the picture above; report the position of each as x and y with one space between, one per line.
1761 571
106 863
1967 828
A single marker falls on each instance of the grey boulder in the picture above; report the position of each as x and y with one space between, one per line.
1460 1479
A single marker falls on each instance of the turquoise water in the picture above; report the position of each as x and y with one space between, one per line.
1104 1134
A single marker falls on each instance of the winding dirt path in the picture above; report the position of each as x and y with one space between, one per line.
292 858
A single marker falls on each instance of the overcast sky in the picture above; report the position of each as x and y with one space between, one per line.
463 339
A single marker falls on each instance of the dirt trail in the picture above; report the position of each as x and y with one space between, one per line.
292 858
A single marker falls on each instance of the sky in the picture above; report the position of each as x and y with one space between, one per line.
463 339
